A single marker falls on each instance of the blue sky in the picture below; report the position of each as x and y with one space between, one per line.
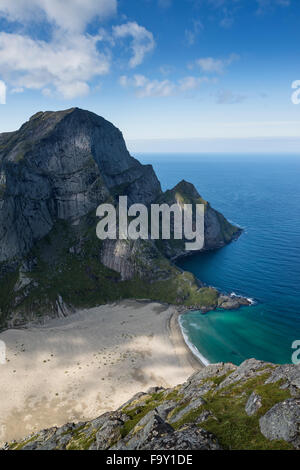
201 75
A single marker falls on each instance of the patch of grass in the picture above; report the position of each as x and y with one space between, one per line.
236 430
82 438
82 281
177 410
189 417
173 396
21 445
137 413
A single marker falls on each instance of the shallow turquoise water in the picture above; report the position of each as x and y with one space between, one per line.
262 195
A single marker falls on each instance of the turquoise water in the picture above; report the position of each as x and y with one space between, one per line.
262 195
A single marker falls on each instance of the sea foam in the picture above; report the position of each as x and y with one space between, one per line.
191 346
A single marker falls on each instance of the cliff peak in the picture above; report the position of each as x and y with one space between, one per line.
54 173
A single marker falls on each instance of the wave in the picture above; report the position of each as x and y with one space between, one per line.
252 301
235 224
191 346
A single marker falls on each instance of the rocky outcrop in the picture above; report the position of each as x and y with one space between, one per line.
54 172
62 166
283 422
253 404
217 230
220 407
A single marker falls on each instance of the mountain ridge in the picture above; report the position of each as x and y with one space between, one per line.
54 172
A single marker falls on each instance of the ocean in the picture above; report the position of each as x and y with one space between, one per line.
260 193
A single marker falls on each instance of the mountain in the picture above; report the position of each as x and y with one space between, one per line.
252 407
54 172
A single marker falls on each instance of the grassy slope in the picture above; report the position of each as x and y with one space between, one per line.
81 280
234 429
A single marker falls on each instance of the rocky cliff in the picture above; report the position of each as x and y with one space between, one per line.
61 166
255 406
54 172
217 230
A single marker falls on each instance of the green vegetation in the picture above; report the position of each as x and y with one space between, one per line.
234 429
228 230
137 413
68 266
223 407
82 438
22 444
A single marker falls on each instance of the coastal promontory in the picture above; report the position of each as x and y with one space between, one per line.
54 172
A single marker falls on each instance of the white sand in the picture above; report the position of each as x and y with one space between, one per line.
77 368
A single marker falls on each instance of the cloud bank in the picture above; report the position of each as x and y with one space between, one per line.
71 15
68 61
145 87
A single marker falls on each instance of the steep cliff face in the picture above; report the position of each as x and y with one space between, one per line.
217 230
252 407
54 172
62 166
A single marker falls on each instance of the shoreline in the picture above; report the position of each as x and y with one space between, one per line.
77 368
178 340
194 350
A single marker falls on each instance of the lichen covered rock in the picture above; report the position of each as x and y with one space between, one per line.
239 409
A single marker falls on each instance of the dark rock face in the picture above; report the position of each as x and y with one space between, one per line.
150 428
191 438
217 408
191 406
217 230
289 375
62 166
54 172
232 302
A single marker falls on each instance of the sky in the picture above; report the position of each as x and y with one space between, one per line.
173 75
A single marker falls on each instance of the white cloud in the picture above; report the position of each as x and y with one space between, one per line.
265 5
2 92
166 69
67 63
144 87
191 83
73 89
17 90
191 34
69 60
72 15
142 41
212 65
229 97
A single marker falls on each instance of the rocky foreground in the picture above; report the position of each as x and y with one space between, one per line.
254 406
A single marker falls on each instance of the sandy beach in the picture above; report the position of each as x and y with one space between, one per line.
77 368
